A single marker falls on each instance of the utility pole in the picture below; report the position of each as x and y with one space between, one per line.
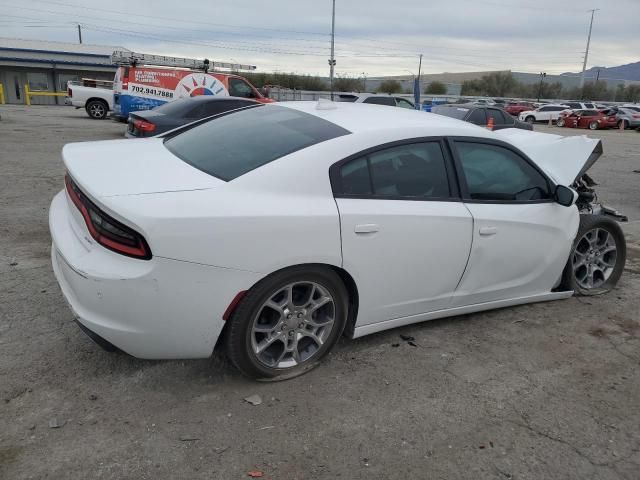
332 60
416 86
586 53
79 34
542 75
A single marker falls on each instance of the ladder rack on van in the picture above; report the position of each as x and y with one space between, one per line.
120 57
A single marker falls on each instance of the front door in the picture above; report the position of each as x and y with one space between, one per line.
521 237
406 235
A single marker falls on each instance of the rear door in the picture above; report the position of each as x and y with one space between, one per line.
478 116
521 237
500 119
406 235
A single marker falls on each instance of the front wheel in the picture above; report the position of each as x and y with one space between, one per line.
530 119
593 125
287 322
597 256
560 122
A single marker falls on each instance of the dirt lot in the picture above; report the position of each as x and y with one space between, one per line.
546 391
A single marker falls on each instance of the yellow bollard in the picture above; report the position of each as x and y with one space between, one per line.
1 94
27 98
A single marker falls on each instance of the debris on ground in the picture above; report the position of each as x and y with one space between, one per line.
186 438
93 396
407 338
255 474
55 423
253 399
394 345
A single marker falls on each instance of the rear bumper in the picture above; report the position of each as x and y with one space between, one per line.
155 309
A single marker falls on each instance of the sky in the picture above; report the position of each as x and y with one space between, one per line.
373 37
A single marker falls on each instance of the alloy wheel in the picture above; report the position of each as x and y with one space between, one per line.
96 110
594 258
292 325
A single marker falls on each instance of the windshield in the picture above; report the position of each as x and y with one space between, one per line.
229 146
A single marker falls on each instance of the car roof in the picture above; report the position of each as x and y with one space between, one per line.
362 117
216 98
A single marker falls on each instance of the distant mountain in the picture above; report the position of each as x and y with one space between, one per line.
631 71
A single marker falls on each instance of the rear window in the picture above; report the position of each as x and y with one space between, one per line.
229 146
455 112
177 108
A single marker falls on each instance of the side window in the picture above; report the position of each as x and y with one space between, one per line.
478 117
589 105
390 101
240 88
404 103
496 173
573 105
413 170
498 118
545 109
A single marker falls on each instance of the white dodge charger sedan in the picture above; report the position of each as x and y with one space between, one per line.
274 229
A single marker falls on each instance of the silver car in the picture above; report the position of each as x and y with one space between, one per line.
630 117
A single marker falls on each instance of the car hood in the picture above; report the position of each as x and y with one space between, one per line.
131 167
564 159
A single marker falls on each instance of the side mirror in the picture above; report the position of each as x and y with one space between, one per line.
564 196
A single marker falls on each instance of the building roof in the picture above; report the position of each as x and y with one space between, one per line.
61 55
58 47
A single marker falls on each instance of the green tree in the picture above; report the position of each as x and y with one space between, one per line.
390 86
347 84
437 88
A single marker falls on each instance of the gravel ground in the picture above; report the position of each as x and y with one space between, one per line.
545 391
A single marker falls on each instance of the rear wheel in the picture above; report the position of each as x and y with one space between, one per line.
287 323
593 125
597 256
97 109
530 119
560 122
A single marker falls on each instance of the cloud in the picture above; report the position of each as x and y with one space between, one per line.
371 36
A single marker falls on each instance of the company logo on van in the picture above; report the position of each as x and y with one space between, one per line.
199 84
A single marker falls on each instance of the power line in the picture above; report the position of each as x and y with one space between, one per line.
172 19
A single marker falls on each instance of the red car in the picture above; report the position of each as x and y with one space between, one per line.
516 108
591 119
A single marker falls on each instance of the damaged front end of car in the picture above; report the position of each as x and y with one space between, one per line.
588 202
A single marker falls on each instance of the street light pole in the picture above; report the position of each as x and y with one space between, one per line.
416 86
79 34
332 60
586 53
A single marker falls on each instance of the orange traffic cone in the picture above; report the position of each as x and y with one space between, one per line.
490 123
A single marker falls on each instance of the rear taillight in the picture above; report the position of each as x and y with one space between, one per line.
635 116
69 92
106 230
144 126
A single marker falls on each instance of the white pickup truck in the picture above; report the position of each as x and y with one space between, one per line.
95 96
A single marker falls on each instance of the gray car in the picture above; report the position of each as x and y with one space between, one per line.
630 117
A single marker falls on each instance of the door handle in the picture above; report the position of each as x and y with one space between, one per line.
366 228
487 231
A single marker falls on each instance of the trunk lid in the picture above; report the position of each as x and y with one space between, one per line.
131 167
564 159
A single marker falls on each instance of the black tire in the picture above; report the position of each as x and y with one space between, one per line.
530 119
238 339
97 109
588 223
594 126
560 122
